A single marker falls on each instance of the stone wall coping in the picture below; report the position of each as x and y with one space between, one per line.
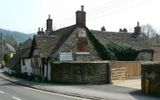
150 62
80 62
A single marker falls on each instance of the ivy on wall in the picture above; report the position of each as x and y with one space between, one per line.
103 52
112 51
122 53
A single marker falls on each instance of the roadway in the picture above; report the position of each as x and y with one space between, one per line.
11 91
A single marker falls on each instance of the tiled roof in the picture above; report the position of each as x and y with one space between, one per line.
63 34
16 58
63 31
45 44
27 53
10 48
26 44
127 39
48 44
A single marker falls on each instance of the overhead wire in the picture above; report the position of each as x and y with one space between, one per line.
119 10
108 8
97 9
119 3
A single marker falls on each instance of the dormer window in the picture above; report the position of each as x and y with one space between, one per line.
35 52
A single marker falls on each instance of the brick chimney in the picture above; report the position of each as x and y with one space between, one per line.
49 25
137 29
40 32
81 17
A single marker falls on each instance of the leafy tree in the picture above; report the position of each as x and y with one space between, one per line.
103 28
120 30
148 30
7 57
125 30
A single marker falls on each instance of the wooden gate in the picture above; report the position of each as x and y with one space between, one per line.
125 69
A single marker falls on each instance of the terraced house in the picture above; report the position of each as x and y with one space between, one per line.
79 43
75 43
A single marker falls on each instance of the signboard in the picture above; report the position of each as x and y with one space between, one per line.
82 53
65 56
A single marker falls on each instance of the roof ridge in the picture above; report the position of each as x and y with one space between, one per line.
112 32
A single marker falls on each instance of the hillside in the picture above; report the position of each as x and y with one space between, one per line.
18 36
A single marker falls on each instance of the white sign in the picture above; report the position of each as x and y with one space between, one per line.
65 56
82 53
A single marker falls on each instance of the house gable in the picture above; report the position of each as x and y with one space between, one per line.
77 47
43 45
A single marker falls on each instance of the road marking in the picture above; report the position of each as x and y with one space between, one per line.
16 98
1 92
58 94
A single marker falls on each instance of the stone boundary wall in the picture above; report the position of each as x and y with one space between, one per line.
94 72
150 80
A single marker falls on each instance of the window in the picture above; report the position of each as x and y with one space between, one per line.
23 61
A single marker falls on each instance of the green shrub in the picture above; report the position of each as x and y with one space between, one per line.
7 57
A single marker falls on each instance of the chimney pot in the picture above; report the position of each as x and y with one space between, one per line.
49 16
81 17
38 29
42 29
138 23
82 7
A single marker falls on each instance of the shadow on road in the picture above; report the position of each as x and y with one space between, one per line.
139 95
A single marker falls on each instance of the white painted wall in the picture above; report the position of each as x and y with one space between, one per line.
45 70
49 71
26 67
7 70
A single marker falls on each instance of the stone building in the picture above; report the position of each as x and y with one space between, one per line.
7 49
42 47
156 55
136 40
73 44
67 44
14 65
155 41
20 62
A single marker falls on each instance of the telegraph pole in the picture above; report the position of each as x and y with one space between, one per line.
1 50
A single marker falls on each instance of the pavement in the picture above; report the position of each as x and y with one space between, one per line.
131 83
94 92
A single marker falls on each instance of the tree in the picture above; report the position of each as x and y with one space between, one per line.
103 28
120 30
7 57
148 30
125 30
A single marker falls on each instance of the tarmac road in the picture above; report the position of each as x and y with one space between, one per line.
11 91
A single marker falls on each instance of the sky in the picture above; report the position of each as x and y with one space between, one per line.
27 15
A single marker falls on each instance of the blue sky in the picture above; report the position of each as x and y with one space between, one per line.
27 15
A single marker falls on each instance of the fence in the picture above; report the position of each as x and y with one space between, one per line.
125 69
